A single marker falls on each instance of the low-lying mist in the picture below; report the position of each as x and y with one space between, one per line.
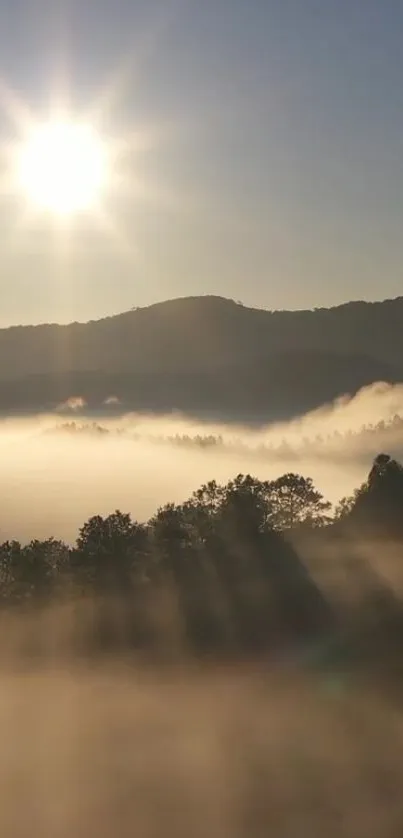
113 753
60 469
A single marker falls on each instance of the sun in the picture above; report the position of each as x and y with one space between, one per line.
62 167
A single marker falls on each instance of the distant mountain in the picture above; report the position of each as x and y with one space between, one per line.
205 355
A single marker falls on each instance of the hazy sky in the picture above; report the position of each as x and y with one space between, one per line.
271 162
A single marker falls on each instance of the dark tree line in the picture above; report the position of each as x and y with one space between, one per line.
222 562
376 507
367 432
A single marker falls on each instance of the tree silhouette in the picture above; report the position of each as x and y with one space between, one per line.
378 504
42 566
346 505
178 536
110 552
227 557
10 571
294 501
33 572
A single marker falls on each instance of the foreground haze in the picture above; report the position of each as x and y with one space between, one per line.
107 752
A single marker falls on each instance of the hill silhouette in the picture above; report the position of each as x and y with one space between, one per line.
204 355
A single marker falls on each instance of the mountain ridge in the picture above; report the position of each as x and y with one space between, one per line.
207 297
196 353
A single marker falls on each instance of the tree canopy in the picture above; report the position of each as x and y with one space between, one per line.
225 557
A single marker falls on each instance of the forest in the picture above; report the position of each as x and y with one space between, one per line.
207 357
242 568
389 431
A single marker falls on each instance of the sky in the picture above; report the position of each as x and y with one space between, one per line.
262 152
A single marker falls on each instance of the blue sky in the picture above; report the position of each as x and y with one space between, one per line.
275 174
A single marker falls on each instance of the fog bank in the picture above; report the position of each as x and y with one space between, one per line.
59 470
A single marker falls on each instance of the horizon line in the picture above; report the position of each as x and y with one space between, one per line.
198 297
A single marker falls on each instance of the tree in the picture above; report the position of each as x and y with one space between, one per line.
386 473
10 565
181 541
215 550
42 565
110 563
346 505
294 500
240 505
31 573
378 503
246 501
110 552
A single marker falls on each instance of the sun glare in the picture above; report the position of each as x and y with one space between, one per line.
62 167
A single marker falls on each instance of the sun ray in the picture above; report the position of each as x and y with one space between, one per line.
127 74
126 249
145 191
15 109
39 159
